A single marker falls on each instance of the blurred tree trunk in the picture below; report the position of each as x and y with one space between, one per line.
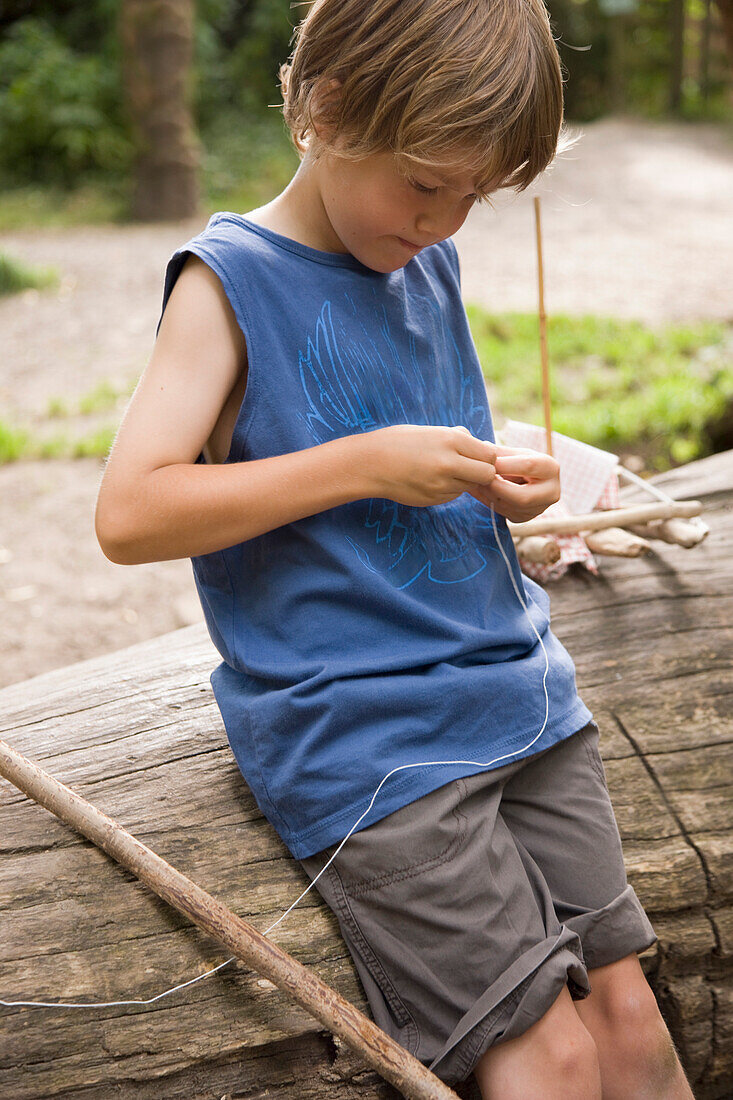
703 78
726 11
618 32
677 18
157 50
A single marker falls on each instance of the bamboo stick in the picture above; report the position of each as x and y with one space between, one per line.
543 330
612 517
378 1050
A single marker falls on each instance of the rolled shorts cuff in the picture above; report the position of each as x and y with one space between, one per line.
515 1001
614 931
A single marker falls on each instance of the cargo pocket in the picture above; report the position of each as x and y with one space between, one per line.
358 943
373 885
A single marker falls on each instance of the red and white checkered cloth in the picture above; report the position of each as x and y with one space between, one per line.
587 483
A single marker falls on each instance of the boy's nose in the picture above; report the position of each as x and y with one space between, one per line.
436 226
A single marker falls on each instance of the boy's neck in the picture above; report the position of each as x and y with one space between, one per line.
298 212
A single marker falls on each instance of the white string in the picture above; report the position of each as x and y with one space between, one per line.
401 767
631 476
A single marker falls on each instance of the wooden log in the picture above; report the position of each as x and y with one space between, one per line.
138 733
377 1049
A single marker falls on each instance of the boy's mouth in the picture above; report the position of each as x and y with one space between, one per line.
408 244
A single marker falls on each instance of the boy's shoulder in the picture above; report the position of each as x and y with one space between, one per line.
227 230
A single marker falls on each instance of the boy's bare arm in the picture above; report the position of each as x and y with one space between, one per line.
154 502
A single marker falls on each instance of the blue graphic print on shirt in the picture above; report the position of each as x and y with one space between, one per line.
355 384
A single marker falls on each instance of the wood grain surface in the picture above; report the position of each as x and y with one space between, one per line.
138 733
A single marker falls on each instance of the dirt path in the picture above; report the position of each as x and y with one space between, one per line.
636 222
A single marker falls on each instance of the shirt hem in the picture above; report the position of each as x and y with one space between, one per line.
425 779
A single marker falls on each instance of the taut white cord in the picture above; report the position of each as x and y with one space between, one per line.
401 767
629 475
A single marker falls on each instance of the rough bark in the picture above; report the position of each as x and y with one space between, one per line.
725 7
138 733
157 48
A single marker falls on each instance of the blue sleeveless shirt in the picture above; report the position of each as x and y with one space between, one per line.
371 634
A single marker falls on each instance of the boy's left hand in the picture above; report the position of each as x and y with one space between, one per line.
526 483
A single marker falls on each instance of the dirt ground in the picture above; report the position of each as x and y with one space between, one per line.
636 223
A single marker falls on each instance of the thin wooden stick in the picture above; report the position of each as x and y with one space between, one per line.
543 330
378 1050
612 517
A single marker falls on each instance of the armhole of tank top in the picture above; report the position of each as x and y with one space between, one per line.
245 414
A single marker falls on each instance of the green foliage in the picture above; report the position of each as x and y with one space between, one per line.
16 276
614 384
59 108
239 48
246 161
601 51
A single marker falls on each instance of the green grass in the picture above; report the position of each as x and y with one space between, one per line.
40 206
16 444
104 396
23 443
16 276
619 385
13 443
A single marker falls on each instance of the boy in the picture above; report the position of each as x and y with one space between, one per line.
313 431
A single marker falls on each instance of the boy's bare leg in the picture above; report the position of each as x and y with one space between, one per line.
555 1059
635 1050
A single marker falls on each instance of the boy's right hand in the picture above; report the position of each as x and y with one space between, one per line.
420 464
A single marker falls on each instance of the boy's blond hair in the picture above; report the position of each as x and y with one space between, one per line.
440 83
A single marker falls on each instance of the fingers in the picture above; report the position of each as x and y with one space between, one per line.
517 480
532 465
472 447
475 471
517 502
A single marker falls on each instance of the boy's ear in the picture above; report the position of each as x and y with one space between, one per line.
325 98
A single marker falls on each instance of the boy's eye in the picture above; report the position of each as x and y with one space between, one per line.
421 187
433 190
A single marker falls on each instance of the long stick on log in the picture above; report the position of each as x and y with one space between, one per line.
378 1050
612 517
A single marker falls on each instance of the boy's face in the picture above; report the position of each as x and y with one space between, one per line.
384 217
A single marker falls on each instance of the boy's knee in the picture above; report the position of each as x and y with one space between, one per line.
635 1031
631 1014
556 1054
568 1053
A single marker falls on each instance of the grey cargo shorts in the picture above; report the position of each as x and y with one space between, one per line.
468 910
